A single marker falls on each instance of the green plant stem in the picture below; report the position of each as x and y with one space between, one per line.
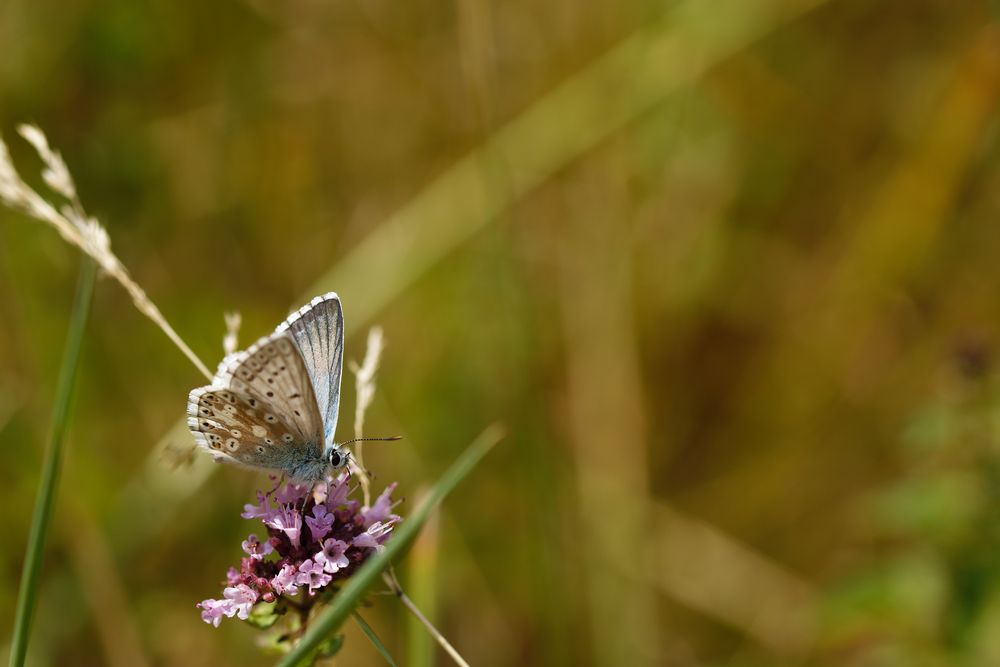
373 638
331 618
27 593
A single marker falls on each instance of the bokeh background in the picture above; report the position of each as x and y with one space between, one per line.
726 271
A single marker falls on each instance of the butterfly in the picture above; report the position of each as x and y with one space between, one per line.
274 406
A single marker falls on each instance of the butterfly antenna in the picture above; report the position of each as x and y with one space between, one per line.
389 439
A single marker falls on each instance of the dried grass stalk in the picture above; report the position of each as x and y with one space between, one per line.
75 226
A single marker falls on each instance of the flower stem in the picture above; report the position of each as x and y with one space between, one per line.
27 594
390 579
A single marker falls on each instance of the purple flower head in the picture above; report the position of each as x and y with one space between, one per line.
311 574
256 549
320 522
293 562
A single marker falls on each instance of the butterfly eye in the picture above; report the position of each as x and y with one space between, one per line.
336 460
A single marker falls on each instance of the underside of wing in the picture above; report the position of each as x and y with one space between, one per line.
237 427
318 331
260 409
272 372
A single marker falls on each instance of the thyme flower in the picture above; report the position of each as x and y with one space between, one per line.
295 565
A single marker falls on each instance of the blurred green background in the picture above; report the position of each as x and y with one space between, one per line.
727 272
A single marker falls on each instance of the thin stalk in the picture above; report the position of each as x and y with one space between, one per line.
393 584
27 594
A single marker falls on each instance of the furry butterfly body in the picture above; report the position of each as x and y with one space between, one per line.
275 405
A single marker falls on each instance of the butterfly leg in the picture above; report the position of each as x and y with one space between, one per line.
354 466
279 480
305 499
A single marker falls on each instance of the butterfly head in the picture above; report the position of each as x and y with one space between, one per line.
337 458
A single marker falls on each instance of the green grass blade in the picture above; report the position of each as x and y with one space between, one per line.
421 586
331 618
373 638
49 481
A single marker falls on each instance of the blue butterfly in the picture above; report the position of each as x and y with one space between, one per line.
275 405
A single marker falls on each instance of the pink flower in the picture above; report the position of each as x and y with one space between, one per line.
241 599
291 494
262 510
337 490
320 522
257 549
212 611
376 535
381 510
311 574
284 581
289 521
333 557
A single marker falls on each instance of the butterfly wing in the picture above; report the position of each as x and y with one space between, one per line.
260 409
318 331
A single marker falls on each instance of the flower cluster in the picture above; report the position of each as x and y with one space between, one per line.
314 537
